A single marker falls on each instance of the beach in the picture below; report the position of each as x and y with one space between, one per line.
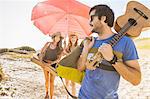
25 79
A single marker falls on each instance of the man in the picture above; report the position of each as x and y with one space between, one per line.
102 83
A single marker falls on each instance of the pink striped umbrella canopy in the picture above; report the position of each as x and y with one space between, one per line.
65 16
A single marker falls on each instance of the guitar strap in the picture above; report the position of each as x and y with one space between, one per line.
74 97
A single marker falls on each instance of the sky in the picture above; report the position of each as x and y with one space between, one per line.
17 29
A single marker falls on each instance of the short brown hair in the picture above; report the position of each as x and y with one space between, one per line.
104 10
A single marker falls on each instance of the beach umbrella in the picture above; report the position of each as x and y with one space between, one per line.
65 16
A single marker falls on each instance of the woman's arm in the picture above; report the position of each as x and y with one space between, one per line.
43 51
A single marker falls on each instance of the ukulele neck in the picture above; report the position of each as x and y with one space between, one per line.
122 32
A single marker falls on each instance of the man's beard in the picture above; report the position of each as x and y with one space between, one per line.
94 31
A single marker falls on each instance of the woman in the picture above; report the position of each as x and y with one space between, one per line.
73 42
51 53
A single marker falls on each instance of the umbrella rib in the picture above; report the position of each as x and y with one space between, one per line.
80 25
56 22
45 15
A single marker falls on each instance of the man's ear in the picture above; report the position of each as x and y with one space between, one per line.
103 18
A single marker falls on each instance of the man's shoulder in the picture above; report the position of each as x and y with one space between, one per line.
126 39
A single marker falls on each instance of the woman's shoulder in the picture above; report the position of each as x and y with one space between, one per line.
47 43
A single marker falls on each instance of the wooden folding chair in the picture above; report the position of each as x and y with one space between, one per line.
44 65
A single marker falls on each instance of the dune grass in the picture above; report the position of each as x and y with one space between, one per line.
144 47
143 43
17 55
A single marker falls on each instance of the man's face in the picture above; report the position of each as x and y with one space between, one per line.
95 22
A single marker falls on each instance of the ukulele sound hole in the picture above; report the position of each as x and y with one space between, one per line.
132 22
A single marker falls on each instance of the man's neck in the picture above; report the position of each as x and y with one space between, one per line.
105 33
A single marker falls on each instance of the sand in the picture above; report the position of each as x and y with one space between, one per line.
25 80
